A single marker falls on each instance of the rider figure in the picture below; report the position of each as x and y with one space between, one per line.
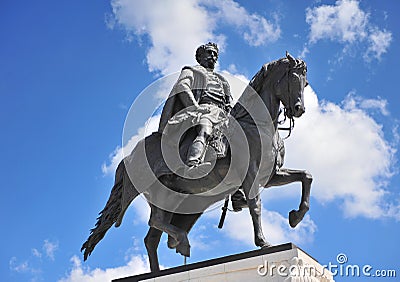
216 100
204 93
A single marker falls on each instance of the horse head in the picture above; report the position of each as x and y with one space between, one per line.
289 87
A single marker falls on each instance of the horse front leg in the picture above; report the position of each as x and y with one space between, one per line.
285 176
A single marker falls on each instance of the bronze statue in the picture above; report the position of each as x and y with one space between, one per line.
252 158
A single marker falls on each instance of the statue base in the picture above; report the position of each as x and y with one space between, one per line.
285 262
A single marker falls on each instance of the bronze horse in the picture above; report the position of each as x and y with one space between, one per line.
256 116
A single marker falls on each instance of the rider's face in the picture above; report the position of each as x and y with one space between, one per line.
209 58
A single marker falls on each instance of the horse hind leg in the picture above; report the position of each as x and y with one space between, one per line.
184 222
151 241
255 212
254 204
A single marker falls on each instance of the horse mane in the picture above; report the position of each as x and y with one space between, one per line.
257 81
255 85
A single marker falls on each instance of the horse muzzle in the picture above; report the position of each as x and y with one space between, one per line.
298 110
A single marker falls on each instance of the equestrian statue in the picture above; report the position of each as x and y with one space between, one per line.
207 150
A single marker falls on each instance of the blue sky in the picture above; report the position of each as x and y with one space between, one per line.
70 71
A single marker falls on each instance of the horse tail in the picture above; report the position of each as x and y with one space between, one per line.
122 194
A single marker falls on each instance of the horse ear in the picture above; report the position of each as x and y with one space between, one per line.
292 60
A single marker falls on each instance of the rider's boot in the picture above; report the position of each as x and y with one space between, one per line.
195 160
196 152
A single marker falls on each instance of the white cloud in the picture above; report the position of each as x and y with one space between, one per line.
200 238
79 273
142 209
345 150
379 44
344 21
255 29
36 253
18 267
32 266
353 101
176 28
304 52
49 248
394 210
347 23
25 267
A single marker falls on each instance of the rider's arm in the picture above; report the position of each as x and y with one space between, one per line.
183 88
228 97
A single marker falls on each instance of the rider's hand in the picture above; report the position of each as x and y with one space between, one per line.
203 109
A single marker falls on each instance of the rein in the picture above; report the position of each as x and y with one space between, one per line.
290 128
291 124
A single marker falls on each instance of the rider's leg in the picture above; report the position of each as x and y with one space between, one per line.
196 151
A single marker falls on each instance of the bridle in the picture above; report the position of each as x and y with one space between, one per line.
291 123
299 65
284 110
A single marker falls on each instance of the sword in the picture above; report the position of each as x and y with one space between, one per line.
223 215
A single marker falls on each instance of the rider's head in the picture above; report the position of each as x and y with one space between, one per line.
207 55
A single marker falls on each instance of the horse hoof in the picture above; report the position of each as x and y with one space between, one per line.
262 243
266 245
295 217
172 243
183 249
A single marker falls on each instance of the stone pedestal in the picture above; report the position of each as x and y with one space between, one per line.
279 263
